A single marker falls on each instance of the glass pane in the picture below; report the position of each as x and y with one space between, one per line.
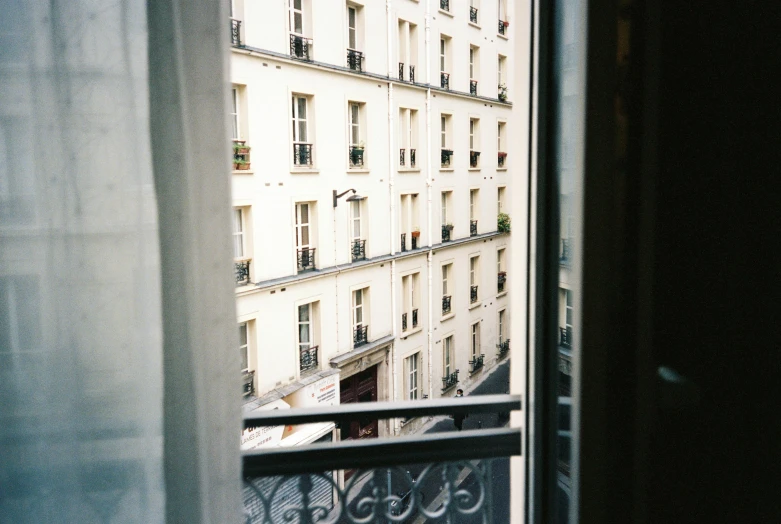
304 236
303 313
303 213
301 101
298 23
303 334
243 334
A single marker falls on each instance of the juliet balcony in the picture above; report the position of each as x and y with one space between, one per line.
501 279
474 159
355 60
302 154
308 359
444 80
473 15
445 157
235 32
565 337
502 30
476 364
358 250
447 231
473 87
503 347
473 294
449 381
414 318
355 155
404 161
501 159
446 304
306 259
473 228
242 272
444 5
300 47
360 335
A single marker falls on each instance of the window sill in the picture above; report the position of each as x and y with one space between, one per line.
447 317
475 305
357 171
409 170
501 169
304 171
447 169
242 172
502 36
474 169
475 372
447 13
500 295
474 25
405 334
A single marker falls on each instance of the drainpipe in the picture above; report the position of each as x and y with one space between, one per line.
429 208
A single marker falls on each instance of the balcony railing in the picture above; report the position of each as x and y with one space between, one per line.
401 70
248 383
412 73
355 60
473 294
235 32
415 239
242 273
403 242
356 156
444 5
302 154
449 381
502 27
446 230
306 259
473 228
360 335
502 93
241 158
359 250
404 322
402 156
411 158
446 304
474 158
473 87
503 347
414 318
501 158
473 15
476 364
300 47
308 358
444 79
501 278
565 337
445 157
566 250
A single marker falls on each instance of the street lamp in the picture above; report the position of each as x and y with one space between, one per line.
352 198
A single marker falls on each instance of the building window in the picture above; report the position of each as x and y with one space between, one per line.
500 203
357 239
447 226
501 66
447 152
444 61
500 141
297 16
352 27
305 248
411 364
408 137
241 251
474 210
475 339
568 310
360 317
408 50
474 143
474 69
474 7
447 270
302 144
238 233
447 356
410 285
243 345
410 230
357 150
502 326
235 114
308 349
501 278
474 278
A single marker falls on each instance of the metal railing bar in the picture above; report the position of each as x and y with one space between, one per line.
386 410
383 452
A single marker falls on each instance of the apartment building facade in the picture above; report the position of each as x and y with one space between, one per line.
370 169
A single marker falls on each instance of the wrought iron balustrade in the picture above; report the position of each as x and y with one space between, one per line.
502 27
359 250
566 250
414 318
446 304
444 5
412 158
308 360
248 383
473 15
360 335
355 60
473 294
403 242
446 230
500 160
445 157
300 47
306 259
474 158
502 94
501 278
401 71
444 79
235 32
476 364
449 381
412 73
414 241
503 347
473 228
302 154
404 322
473 87
402 156
242 273
355 155
565 337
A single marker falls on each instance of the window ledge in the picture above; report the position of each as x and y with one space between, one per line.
448 13
405 334
501 169
475 372
409 170
304 171
475 305
474 169
474 25
447 169
447 317
500 295
502 36
242 172
358 171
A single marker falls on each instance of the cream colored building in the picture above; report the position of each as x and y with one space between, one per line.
408 104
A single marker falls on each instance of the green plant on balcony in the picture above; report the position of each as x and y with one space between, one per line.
503 92
240 155
503 223
240 164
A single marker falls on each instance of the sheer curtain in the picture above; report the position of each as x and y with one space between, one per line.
91 420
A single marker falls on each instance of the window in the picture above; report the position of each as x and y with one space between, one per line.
360 317
500 73
305 248
444 61
408 138
501 278
474 210
447 270
411 365
445 132
474 69
447 226
500 260
307 334
238 233
500 141
474 7
297 16
447 355
352 27
474 278
355 43
502 326
243 345
234 115
474 143
357 150
500 203
410 285
502 10
302 147
357 238
410 230
475 339
407 50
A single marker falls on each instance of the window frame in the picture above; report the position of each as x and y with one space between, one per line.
301 225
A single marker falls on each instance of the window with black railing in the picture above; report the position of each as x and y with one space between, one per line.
503 27
401 70
403 322
565 337
445 157
308 359
411 158
565 252
472 228
501 158
306 259
503 347
412 73
242 273
501 279
415 239
355 60
444 5
402 156
356 154
449 381
476 364
302 154
473 87
360 335
248 382
236 32
446 304
359 250
473 15
474 158
473 294
447 229
414 318
403 242
300 47
444 80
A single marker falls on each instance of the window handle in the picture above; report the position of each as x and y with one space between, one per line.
676 392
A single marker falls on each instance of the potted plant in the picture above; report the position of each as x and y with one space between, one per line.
502 155
415 233
503 92
449 227
506 23
241 164
503 223
240 147
356 154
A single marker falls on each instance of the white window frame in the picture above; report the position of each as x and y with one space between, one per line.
352 30
501 329
568 309
308 323
500 260
239 230
244 347
500 196
474 270
471 62
354 116
475 339
298 120
446 207
442 54
473 198
445 276
300 12
235 114
447 355
301 225
358 308
356 205
443 121
413 377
